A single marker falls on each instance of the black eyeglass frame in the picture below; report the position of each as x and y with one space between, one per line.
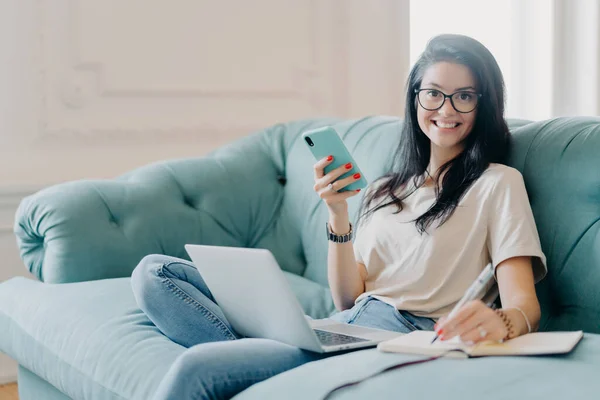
447 96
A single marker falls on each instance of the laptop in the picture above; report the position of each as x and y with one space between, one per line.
257 300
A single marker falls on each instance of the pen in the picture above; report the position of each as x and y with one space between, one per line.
482 280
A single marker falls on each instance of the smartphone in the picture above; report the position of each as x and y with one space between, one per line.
325 141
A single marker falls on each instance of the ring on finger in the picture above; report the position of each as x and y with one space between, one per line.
482 332
330 187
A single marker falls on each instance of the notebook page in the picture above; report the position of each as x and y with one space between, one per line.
531 344
419 342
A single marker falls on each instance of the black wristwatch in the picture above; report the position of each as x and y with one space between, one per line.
338 238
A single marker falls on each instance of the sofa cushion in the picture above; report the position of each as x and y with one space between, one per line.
90 338
32 386
570 376
234 196
87 339
559 162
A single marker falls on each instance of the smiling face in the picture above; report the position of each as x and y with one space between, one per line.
445 127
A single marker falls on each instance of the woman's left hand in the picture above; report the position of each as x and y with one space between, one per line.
474 322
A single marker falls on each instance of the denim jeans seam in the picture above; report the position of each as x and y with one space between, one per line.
405 321
177 291
360 311
199 307
418 322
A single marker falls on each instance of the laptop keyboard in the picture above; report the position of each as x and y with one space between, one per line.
333 339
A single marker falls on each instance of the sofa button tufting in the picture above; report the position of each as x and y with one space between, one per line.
282 180
189 203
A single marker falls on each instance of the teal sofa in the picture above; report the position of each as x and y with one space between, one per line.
78 334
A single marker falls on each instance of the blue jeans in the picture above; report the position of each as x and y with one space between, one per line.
219 363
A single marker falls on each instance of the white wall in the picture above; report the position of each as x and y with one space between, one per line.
93 89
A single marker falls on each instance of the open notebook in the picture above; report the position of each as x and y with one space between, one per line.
419 342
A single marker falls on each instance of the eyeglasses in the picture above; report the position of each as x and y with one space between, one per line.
462 101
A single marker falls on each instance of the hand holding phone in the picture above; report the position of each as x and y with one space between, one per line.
337 177
325 142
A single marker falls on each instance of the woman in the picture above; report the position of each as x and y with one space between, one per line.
426 230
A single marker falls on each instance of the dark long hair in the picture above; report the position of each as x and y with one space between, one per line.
488 141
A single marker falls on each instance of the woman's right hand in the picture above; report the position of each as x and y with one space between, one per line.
336 202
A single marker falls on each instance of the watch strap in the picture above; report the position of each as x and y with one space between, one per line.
334 237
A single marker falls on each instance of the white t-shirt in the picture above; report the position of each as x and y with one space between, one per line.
427 274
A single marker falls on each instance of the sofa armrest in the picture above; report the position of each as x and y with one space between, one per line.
96 229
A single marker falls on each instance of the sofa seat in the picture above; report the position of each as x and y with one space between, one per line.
571 376
90 340
101 346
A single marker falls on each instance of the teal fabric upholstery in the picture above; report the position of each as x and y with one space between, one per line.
79 328
104 348
560 162
571 376
87 339
32 386
96 229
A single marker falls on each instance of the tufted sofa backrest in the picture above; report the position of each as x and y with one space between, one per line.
257 192
560 162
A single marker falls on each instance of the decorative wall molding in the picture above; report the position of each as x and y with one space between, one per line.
83 89
10 198
102 88
77 97
93 86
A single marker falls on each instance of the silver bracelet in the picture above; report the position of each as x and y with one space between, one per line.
526 319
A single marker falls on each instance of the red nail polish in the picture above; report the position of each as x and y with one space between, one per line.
348 166
357 190
356 176
329 158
